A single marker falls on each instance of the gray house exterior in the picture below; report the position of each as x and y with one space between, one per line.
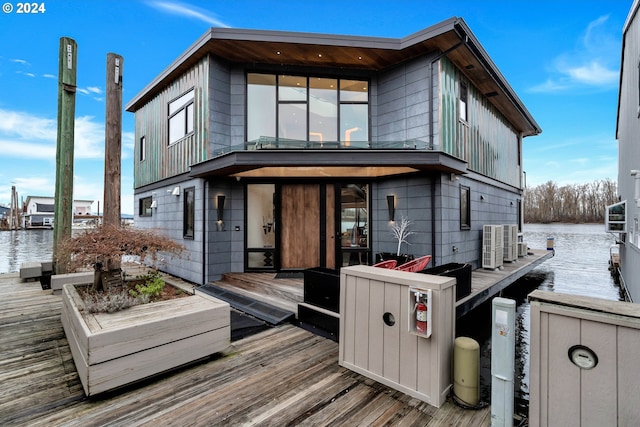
278 151
627 133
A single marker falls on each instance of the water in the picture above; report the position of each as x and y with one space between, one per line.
579 267
20 246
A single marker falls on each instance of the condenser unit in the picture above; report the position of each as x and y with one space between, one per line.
492 240
522 249
510 243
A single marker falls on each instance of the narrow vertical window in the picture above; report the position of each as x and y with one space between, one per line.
143 148
189 212
463 102
465 208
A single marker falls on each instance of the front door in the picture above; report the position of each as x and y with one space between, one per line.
307 226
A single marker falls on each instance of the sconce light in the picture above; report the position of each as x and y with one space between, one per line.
176 191
391 205
220 222
454 177
511 203
154 204
481 197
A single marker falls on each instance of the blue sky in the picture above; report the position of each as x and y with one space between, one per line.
561 57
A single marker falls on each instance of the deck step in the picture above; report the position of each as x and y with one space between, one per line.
261 310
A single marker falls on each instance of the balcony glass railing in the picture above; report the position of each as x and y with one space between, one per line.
266 143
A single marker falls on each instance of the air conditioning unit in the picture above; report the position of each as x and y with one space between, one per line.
510 243
492 240
522 249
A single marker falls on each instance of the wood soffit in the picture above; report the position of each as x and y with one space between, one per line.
327 163
275 50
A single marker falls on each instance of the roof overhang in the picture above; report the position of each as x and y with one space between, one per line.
285 49
326 163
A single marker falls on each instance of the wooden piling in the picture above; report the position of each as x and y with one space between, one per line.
113 140
65 142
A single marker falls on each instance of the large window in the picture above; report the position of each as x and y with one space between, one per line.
189 212
261 226
144 208
311 109
181 117
354 223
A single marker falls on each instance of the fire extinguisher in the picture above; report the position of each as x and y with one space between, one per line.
421 315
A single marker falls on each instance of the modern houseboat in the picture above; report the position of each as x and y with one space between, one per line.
280 151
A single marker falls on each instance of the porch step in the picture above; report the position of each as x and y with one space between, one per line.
261 310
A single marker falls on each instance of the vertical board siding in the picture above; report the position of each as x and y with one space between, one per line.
152 122
564 394
487 142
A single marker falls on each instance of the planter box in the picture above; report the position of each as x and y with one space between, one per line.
462 273
114 349
322 288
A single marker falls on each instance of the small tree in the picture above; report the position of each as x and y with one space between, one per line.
104 246
401 232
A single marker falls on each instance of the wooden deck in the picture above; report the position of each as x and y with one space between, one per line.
287 293
283 376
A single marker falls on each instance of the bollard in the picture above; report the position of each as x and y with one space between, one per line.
466 370
549 243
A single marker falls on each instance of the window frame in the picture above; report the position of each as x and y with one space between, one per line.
463 103
189 213
280 102
183 104
465 208
143 148
142 211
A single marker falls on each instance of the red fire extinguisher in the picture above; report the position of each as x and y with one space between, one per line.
421 315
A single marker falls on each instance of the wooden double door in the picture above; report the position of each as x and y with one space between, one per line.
307 226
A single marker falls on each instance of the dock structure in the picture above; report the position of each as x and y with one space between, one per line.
282 376
485 284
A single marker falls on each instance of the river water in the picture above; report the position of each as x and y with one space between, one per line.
580 266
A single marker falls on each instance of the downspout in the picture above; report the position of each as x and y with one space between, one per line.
204 232
433 219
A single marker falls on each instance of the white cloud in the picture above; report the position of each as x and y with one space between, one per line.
49 76
94 89
593 63
19 61
189 11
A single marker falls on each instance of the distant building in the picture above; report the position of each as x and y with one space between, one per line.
39 211
4 211
627 131
275 151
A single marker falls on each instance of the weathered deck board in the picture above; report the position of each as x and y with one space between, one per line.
282 376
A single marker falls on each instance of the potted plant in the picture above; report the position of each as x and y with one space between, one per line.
112 348
400 230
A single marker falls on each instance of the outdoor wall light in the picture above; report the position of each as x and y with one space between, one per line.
391 206
481 197
176 191
154 204
220 222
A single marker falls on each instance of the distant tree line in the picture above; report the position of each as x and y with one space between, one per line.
575 203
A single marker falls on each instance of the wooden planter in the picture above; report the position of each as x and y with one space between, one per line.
114 349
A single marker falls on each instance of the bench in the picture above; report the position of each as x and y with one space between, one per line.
30 270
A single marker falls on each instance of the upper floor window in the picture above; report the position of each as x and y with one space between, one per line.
463 102
302 108
143 147
181 117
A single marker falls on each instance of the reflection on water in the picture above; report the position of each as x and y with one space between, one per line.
19 246
579 267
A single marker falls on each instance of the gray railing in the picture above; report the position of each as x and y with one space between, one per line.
268 143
